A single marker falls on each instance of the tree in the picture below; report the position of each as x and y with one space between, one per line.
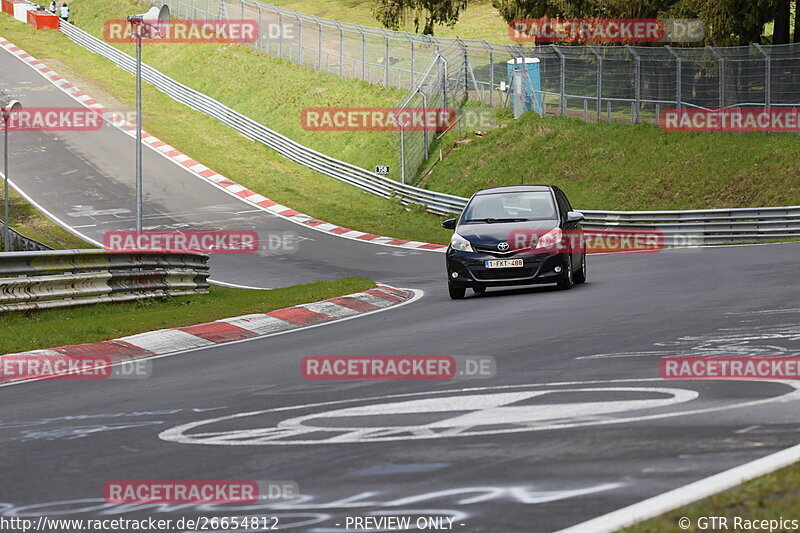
728 22
780 33
735 22
797 22
425 13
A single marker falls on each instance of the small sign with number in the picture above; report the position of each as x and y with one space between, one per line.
382 169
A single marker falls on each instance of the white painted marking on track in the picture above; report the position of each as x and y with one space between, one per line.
290 428
237 286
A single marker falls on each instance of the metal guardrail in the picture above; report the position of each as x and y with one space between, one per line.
705 226
435 202
20 242
68 278
679 227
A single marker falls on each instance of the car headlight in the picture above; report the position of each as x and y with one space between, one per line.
457 242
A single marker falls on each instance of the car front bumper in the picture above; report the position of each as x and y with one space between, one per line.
471 271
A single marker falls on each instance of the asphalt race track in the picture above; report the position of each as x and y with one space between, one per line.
576 423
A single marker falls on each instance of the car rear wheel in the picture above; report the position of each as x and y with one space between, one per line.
456 293
568 281
580 275
478 290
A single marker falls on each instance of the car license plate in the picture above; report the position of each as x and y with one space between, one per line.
503 263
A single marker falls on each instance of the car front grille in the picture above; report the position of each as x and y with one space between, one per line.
491 274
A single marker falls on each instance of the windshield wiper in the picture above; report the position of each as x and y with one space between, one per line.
496 220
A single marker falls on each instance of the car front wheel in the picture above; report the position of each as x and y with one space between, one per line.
580 275
456 293
567 281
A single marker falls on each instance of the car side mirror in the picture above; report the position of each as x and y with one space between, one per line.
574 216
450 223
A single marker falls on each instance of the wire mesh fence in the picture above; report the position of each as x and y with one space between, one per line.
612 83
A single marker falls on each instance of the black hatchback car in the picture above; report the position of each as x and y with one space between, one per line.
517 235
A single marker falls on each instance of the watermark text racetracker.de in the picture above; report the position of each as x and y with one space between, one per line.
54 119
605 30
193 241
201 241
730 368
193 492
397 367
738 120
396 119
189 31
588 240
35 366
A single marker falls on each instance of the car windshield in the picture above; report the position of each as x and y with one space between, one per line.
510 207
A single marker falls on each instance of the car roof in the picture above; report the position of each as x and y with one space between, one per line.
515 188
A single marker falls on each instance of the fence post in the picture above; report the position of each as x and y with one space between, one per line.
318 61
363 54
491 72
425 112
721 61
637 95
678 77
341 50
385 58
599 88
444 82
402 155
260 33
767 76
280 34
466 66
413 74
242 2
299 38
562 80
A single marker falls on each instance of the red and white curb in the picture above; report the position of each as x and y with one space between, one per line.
166 341
205 173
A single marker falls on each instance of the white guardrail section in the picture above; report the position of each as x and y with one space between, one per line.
68 278
715 226
20 242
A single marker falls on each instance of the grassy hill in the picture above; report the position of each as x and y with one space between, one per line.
601 166
622 166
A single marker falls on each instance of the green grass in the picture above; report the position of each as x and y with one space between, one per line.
269 90
57 327
28 221
479 21
767 497
622 166
266 89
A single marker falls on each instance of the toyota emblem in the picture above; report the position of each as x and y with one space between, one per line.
503 246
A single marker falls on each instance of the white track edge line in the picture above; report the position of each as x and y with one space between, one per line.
671 500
